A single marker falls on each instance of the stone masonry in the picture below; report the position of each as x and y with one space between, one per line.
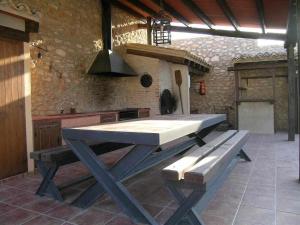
70 32
220 84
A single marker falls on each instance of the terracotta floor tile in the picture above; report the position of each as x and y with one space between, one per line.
42 205
43 220
92 216
259 200
164 215
22 199
16 217
8 192
248 215
120 220
4 208
215 220
287 219
64 212
272 174
288 205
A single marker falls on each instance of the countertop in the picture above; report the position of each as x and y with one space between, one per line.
68 116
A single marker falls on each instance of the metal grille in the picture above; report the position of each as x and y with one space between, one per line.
162 28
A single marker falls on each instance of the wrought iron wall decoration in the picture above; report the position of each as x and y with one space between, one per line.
146 80
168 102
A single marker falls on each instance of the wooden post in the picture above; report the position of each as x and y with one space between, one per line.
298 41
237 98
149 31
291 91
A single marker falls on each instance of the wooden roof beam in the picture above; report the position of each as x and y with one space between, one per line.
143 7
126 9
228 13
198 12
261 14
292 24
227 33
173 12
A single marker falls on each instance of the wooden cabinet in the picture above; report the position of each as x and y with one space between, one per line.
109 117
47 129
47 134
144 113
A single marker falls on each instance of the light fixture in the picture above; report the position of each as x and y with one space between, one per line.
161 27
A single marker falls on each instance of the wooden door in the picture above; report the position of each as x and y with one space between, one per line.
13 157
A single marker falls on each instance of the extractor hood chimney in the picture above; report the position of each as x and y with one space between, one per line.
108 62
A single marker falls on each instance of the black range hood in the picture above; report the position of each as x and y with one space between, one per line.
107 62
110 63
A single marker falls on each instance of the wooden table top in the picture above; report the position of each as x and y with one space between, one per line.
153 131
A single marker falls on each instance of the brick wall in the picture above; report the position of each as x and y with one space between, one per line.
71 33
220 52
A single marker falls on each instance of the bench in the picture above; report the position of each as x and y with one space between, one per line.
48 162
202 170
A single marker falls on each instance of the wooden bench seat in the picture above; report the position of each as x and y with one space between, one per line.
203 169
48 162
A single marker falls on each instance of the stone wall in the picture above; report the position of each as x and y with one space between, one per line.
220 84
70 31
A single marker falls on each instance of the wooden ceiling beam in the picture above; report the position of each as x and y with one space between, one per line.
127 9
292 23
198 12
228 13
261 13
173 12
143 7
225 33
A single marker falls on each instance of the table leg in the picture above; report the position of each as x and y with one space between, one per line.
115 189
119 171
145 161
203 133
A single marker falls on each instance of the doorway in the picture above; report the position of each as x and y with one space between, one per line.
13 152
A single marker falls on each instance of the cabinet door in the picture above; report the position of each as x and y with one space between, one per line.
47 134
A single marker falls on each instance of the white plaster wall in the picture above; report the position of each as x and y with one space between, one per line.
185 92
136 95
165 76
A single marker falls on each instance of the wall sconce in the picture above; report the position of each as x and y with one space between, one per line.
41 49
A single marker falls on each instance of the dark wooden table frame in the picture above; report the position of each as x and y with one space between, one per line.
109 180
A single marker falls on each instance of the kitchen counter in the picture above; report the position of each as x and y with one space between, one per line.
47 129
68 116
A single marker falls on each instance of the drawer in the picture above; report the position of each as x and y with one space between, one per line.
81 121
143 114
108 118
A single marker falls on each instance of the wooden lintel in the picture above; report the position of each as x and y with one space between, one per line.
9 33
31 26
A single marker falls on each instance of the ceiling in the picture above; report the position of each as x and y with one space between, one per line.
263 14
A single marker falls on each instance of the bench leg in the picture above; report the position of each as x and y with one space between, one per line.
48 186
185 210
114 188
191 216
244 155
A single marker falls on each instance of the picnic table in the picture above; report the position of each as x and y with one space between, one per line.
149 137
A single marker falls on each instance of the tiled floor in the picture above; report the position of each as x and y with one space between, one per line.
263 192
